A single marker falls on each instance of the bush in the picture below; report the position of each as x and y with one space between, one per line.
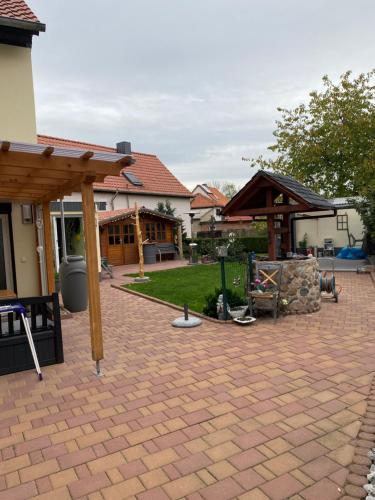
234 300
257 244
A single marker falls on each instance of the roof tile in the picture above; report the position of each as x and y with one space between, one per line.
155 176
17 9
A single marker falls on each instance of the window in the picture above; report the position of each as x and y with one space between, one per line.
218 211
161 231
150 231
114 237
128 235
129 176
101 205
342 222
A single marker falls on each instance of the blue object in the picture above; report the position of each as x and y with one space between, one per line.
9 308
351 253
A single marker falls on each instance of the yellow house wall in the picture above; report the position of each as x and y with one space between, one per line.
319 229
17 123
25 255
17 105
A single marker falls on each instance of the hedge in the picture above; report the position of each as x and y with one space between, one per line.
257 244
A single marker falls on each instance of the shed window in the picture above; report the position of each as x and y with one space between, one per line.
150 231
342 222
128 235
114 237
161 231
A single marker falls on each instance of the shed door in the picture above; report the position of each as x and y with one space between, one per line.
129 244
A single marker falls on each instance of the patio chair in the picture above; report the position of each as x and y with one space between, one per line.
354 242
269 275
328 247
106 268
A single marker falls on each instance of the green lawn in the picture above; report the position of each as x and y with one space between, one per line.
187 285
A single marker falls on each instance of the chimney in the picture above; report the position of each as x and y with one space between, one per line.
124 147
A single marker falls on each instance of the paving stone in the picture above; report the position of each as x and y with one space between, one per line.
274 410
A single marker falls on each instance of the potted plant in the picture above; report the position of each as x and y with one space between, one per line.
57 283
302 245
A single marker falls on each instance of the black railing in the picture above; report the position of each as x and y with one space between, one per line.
43 314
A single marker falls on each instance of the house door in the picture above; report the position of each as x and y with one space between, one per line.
6 275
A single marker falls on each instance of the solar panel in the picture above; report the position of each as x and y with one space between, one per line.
129 176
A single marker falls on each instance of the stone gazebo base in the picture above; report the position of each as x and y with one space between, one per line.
300 286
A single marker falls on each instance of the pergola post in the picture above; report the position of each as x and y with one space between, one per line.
48 253
179 241
271 227
92 271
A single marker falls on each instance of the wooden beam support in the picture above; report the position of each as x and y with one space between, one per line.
271 238
5 146
274 210
92 271
57 163
87 155
48 151
48 253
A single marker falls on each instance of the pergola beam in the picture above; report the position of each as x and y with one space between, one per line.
5 145
57 163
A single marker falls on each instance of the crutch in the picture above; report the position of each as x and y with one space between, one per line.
22 311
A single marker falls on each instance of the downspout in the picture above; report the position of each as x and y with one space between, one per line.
40 249
112 200
63 238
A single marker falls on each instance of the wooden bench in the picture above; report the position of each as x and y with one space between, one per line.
166 249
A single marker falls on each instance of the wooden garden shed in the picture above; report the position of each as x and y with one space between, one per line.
118 235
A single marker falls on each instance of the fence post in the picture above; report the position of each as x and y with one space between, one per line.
224 288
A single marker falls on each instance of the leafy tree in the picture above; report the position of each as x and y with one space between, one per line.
229 189
166 208
328 144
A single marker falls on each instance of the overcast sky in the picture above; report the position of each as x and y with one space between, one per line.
197 82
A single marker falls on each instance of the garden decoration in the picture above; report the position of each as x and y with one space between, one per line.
141 278
265 290
186 321
245 320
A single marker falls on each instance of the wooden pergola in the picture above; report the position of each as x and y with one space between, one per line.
276 197
34 174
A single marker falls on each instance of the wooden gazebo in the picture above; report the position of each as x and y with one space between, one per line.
36 174
276 197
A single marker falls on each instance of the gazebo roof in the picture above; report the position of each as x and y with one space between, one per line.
256 196
39 173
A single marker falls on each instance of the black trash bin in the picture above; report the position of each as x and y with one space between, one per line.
73 277
149 253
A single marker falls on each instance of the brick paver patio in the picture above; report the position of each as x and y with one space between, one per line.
221 411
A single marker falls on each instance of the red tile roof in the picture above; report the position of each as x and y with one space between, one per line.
123 213
155 176
17 9
213 199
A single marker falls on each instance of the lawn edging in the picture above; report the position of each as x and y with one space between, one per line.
168 304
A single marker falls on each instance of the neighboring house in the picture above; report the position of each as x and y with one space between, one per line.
346 222
147 182
206 207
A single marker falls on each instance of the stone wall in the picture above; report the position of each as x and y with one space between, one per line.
300 286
